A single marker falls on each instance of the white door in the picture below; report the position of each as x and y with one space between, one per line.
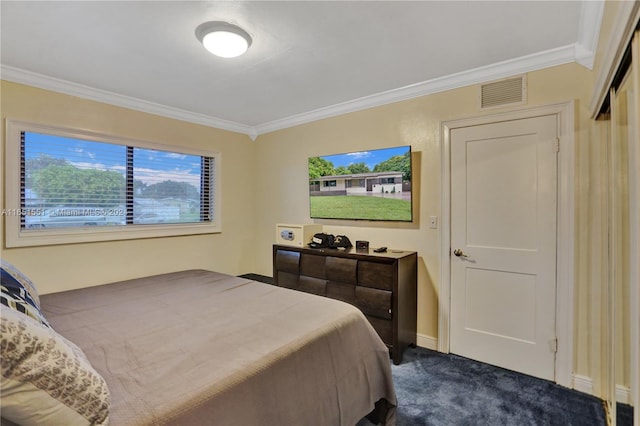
503 244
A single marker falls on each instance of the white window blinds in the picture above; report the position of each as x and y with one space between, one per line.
69 182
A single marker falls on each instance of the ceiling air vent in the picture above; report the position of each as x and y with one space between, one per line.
510 91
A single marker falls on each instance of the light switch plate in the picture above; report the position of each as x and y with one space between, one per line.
433 222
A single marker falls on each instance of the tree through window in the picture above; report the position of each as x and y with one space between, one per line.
69 182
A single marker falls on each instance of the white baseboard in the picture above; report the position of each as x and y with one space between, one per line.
585 384
427 342
623 394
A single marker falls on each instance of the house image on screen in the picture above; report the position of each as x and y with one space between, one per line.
359 184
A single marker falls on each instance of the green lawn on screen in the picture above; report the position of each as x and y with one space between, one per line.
360 207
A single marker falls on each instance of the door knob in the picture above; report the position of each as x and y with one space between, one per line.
459 253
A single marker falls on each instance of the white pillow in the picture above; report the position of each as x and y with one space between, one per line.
46 379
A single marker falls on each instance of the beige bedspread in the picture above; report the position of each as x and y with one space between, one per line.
200 347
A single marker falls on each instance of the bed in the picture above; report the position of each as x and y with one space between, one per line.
200 347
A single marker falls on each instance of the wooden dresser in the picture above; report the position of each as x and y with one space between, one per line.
382 285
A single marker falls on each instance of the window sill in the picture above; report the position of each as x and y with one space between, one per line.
48 237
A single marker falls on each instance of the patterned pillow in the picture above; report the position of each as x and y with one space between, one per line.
18 299
9 271
46 379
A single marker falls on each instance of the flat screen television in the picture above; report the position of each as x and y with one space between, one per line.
365 185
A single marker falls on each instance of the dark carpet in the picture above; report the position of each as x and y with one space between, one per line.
445 389
257 277
624 415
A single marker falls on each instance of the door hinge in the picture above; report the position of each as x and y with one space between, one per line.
556 145
553 345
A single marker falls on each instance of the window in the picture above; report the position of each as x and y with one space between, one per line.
70 186
356 183
329 183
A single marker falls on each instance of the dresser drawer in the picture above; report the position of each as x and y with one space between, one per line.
383 327
341 291
313 285
288 280
341 270
375 275
313 266
374 302
288 261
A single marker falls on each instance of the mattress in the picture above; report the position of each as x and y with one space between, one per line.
200 347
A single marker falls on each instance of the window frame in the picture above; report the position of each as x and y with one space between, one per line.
15 236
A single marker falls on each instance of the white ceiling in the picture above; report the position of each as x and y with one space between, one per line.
309 59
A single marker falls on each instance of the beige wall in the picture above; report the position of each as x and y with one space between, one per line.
283 164
57 268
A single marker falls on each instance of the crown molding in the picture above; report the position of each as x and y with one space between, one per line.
537 61
588 32
581 52
41 81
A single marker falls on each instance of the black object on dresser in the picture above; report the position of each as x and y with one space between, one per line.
382 285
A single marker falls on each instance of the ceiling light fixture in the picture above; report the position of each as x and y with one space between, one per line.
223 39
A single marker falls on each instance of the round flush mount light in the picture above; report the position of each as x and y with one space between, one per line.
223 39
